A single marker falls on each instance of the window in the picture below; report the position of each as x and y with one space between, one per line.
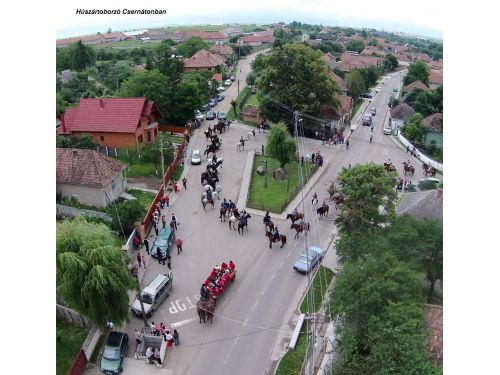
102 138
149 136
140 139
113 185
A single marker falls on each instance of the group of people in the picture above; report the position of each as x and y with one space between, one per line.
218 279
228 205
402 184
317 158
153 353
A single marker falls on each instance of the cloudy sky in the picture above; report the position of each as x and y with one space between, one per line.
421 18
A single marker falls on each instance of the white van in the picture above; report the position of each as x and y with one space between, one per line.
366 119
154 294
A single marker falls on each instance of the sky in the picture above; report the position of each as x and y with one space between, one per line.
391 15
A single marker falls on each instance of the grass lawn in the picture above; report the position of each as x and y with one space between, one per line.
144 197
128 44
275 197
321 281
252 100
356 107
231 115
69 340
143 169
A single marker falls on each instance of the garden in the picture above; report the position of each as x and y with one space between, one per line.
69 340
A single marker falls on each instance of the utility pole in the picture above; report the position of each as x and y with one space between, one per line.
265 174
140 299
162 167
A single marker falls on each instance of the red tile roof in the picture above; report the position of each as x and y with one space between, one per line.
436 77
257 38
217 77
205 35
345 104
415 85
350 61
402 111
203 59
340 82
85 167
221 50
434 122
115 115
434 322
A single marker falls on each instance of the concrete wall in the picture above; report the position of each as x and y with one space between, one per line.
73 211
420 156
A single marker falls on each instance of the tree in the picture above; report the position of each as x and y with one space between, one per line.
91 272
187 97
280 145
355 45
125 214
390 62
370 75
189 47
163 60
81 56
415 128
151 152
113 74
355 83
80 141
251 78
365 188
295 76
61 105
151 84
417 70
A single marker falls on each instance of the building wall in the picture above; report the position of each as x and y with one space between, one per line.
198 69
119 140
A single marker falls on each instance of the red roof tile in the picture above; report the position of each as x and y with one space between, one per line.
203 59
434 322
436 77
117 115
434 122
85 167
415 85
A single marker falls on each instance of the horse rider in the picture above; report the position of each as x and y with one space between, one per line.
315 197
267 218
209 196
232 206
204 293
214 158
224 204
243 220
241 139
295 212
371 138
276 235
324 205
302 223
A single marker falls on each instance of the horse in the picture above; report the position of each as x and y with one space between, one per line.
205 201
205 309
294 218
240 146
323 211
242 226
430 170
271 238
249 134
410 169
232 222
300 228
389 167
269 226
338 199
222 212
200 309
314 202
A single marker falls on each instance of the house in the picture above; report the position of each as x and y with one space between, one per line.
113 122
435 79
370 50
330 60
427 204
232 31
224 51
136 34
434 133
305 37
217 77
255 40
203 60
434 323
113 37
436 65
88 40
400 114
415 85
340 83
88 176
215 37
340 115
424 57
350 61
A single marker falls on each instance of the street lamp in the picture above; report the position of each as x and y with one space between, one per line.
265 173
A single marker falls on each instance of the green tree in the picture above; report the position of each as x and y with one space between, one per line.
61 105
365 188
370 75
415 128
151 84
81 56
417 70
113 74
125 214
63 59
390 62
251 78
191 46
355 83
81 141
151 152
355 45
187 97
280 145
295 76
91 272
161 59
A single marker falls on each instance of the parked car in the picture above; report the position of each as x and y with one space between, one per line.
213 102
164 241
198 115
227 82
367 119
219 97
206 107
221 115
196 157
220 88
153 294
428 183
378 89
366 95
210 115
308 259
373 111
114 353
232 78
387 129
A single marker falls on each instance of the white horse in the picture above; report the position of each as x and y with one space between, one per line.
249 134
232 222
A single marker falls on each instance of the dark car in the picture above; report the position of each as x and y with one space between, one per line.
213 102
366 95
219 97
221 115
210 115
206 107
164 242
114 352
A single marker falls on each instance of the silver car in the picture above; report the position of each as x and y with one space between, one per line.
308 259
196 157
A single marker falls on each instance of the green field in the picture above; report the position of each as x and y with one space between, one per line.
144 197
321 282
275 197
69 340
128 44
252 100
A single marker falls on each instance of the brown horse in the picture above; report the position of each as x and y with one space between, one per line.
269 226
282 238
300 228
410 169
323 211
205 309
431 171
209 309
294 218
222 212
200 309
389 167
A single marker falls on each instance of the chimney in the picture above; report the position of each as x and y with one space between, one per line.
101 104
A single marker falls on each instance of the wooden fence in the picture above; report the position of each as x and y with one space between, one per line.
72 316
79 364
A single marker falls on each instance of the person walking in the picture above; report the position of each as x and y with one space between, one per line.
169 261
176 338
138 337
157 356
146 244
143 259
184 183
159 255
371 138
262 149
407 148
139 259
176 187
150 354
169 339
178 243
174 220
163 220
347 144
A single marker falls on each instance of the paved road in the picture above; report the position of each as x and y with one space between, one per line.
254 314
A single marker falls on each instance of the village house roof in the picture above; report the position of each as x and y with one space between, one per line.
203 59
221 50
114 35
340 82
115 115
415 85
402 111
345 104
424 57
264 33
436 77
205 35
434 122
434 323
85 167
422 204
350 61
330 60
256 38
437 65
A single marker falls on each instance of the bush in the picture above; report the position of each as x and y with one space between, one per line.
126 213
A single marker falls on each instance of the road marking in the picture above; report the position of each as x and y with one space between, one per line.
281 265
182 322
273 276
236 340
245 322
255 305
225 360
264 291
289 253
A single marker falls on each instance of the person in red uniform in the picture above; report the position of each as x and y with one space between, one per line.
213 273
223 266
232 266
